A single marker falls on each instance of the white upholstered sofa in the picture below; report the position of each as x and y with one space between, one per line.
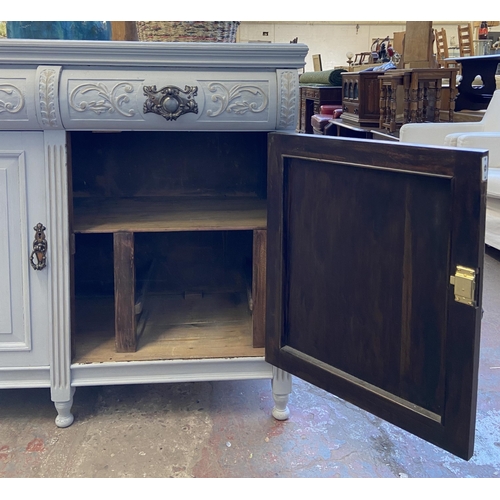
484 134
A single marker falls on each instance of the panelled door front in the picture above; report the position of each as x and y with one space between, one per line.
375 261
24 323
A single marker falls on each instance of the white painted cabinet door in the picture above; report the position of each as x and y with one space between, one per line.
24 321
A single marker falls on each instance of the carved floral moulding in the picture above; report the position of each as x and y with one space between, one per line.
233 99
29 98
104 99
12 99
48 96
288 104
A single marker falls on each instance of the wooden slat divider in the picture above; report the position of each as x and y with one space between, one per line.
125 319
259 287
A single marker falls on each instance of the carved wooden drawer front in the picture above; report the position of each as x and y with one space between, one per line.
351 108
168 100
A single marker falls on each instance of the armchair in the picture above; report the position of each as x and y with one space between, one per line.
437 133
484 134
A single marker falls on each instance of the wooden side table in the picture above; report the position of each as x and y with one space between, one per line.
476 97
425 92
311 98
422 95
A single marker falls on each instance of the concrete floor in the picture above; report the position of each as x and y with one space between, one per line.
224 429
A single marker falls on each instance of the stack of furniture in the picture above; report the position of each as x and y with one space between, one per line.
318 88
373 100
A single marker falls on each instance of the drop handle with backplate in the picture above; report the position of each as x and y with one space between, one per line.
171 101
38 256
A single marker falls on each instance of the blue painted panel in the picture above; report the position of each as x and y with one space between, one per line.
60 30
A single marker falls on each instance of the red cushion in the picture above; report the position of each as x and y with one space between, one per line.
329 109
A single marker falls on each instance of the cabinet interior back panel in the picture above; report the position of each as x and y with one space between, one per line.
159 164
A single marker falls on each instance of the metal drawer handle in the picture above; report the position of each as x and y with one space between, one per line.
169 101
38 256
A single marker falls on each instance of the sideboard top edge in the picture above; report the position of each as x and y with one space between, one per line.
180 55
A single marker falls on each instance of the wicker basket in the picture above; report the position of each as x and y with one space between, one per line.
187 31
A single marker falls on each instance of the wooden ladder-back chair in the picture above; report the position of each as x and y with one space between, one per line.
465 42
442 52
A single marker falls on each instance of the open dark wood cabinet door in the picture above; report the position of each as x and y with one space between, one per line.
375 262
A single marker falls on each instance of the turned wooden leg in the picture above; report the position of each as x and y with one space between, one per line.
413 99
393 108
420 103
282 387
407 100
382 106
437 108
425 102
64 416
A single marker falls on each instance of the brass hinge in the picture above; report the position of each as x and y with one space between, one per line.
465 285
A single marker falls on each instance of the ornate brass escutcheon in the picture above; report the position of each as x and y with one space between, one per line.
38 256
169 101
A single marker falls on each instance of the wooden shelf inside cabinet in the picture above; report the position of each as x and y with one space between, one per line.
125 217
164 214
